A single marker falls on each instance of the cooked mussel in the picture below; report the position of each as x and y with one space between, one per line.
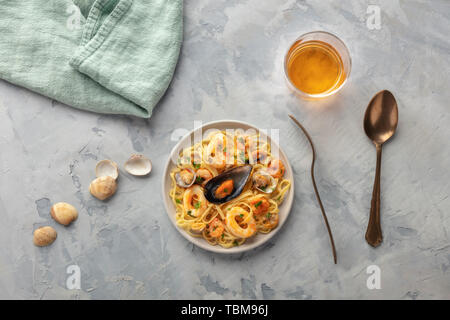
227 185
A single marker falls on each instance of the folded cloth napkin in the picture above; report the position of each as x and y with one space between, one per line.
106 56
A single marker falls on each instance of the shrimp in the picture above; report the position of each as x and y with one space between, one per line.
259 156
203 176
245 142
215 228
215 151
240 223
276 168
194 201
260 205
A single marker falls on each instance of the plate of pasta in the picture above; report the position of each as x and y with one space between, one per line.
227 186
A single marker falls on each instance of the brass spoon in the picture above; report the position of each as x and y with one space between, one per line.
380 123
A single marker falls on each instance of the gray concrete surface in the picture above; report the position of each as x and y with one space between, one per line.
231 68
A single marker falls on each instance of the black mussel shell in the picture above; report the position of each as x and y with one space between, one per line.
239 175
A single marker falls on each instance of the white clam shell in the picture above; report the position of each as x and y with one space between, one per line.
180 181
138 165
107 168
273 182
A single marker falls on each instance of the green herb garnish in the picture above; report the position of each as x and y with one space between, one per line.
197 205
258 204
189 213
268 215
241 215
178 200
199 180
235 243
196 165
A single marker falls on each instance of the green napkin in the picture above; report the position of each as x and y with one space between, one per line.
106 56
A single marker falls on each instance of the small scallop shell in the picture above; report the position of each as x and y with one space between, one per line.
44 236
103 187
63 213
107 168
138 165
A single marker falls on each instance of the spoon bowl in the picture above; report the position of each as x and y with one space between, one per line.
381 118
380 124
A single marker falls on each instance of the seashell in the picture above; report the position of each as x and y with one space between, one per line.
63 213
44 236
264 182
103 187
185 177
138 165
107 168
239 177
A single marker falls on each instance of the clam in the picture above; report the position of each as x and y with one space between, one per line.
138 165
103 187
107 168
185 178
264 182
227 185
63 213
44 236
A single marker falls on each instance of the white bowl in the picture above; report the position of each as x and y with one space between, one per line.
259 238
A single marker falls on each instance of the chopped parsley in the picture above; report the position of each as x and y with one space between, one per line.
197 205
178 200
225 149
278 198
235 243
241 215
258 204
189 213
199 180
225 190
223 235
196 165
268 215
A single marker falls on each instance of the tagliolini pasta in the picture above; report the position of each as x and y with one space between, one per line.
255 210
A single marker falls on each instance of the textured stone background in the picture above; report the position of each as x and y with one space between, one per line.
231 68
